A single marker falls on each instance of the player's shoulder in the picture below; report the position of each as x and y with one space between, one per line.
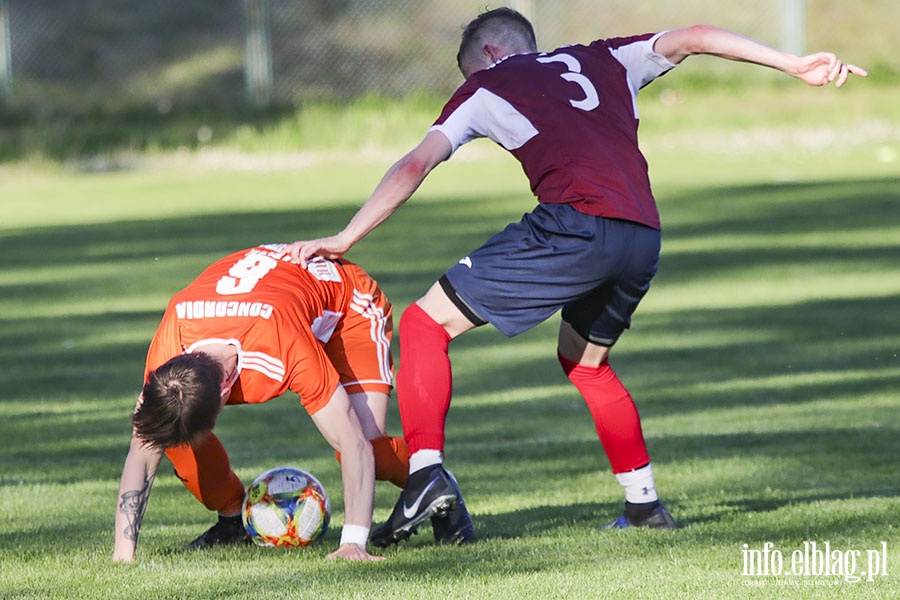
326 271
618 42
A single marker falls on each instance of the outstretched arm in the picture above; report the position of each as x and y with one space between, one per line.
396 187
816 69
134 493
338 423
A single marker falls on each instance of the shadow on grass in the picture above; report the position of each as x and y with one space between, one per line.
80 304
803 352
549 519
65 136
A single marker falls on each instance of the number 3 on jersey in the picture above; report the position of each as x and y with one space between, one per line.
591 99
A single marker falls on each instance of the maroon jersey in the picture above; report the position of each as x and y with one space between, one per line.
570 118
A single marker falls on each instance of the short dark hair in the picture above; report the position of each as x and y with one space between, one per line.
181 401
501 25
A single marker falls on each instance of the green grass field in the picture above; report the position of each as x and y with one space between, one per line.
764 362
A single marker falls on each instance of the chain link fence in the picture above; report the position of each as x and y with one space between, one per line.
87 55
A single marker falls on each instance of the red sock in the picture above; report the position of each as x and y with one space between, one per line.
615 415
424 380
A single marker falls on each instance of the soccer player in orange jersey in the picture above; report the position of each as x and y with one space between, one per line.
251 327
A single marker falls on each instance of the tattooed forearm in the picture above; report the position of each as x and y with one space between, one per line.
132 504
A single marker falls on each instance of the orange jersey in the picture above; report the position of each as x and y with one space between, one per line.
305 330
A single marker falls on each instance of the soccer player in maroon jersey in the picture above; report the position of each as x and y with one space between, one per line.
589 249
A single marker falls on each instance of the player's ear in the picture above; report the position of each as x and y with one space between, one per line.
492 53
225 394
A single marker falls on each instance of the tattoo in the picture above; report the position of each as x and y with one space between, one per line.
133 504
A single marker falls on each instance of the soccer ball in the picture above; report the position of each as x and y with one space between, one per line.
286 507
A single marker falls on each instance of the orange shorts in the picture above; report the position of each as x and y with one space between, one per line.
360 347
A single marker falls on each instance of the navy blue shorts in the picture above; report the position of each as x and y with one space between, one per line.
596 270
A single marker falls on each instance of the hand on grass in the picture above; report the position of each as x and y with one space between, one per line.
353 552
123 556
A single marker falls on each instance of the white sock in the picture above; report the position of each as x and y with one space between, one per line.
639 486
420 459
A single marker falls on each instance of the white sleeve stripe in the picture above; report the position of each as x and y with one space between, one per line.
641 62
264 358
485 114
279 377
269 366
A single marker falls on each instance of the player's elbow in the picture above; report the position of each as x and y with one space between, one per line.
696 39
701 33
419 162
413 167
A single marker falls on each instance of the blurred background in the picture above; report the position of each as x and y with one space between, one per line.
116 65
